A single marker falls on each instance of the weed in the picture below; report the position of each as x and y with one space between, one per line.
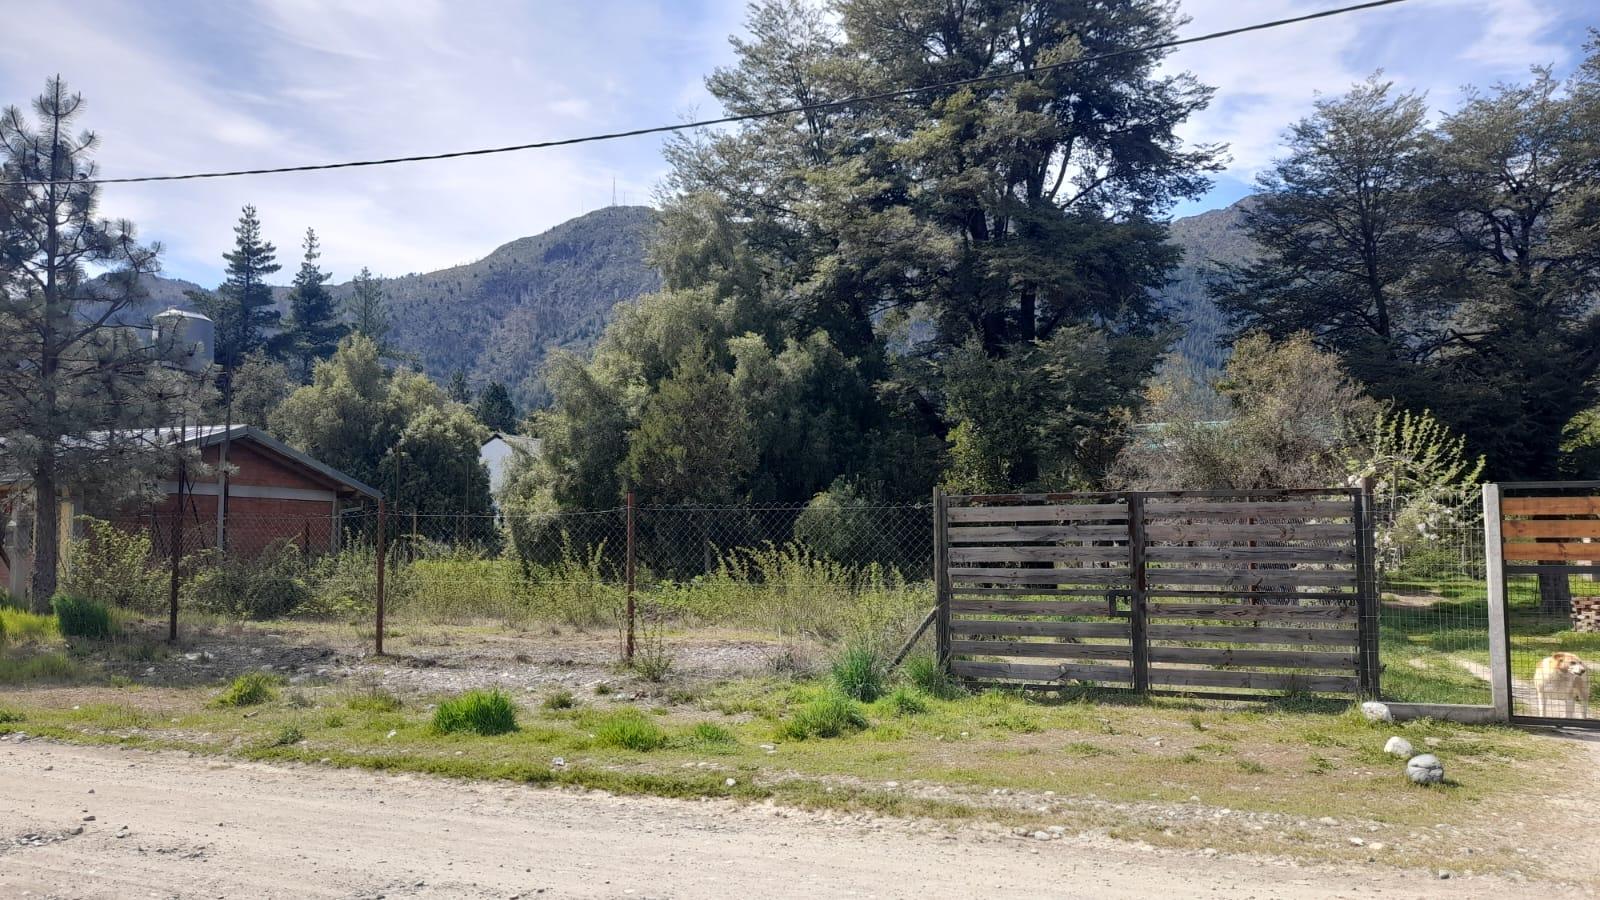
10 717
374 699
1189 758
333 720
561 699
1085 749
286 736
826 717
602 689
249 689
1251 767
627 729
790 661
298 700
859 673
1321 765
478 712
711 734
77 617
906 701
925 674
38 667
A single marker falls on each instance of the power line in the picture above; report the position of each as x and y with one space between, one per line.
745 117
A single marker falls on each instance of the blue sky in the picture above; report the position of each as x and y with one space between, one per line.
205 85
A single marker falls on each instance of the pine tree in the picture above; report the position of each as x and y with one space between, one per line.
75 384
458 389
242 307
312 330
368 310
495 409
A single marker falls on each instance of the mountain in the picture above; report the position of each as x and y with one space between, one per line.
1212 237
498 318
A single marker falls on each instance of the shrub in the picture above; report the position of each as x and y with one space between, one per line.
287 735
80 617
249 689
925 674
263 587
374 699
629 730
111 565
710 734
652 658
829 716
561 699
10 717
906 702
859 673
479 712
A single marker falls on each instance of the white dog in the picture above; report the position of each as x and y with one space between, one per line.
1562 677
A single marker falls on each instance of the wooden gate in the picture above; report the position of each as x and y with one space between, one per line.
1200 592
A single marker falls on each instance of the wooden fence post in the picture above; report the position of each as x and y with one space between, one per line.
628 573
1367 603
941 579
1495 576
383 525
1137 631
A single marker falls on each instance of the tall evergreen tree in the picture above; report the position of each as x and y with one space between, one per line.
458 390
367 310
242 307
75 380
312 330
495 409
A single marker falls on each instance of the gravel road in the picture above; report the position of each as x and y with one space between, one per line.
173 825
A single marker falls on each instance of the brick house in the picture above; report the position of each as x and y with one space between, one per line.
274 494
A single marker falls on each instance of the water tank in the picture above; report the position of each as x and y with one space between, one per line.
185 339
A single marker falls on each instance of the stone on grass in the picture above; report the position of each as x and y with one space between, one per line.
1374 711
1398 746
1425 769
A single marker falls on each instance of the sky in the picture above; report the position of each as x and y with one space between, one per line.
258 83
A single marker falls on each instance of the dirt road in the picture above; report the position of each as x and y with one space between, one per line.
171 825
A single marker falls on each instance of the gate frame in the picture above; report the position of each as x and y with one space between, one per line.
1368 666
1499 610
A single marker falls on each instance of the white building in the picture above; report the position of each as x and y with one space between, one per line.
498 452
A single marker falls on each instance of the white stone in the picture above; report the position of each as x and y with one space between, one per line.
1399 746
1425 769
1374 711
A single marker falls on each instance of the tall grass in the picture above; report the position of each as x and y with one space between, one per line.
480 712
79 617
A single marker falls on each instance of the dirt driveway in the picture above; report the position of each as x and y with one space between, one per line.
172 825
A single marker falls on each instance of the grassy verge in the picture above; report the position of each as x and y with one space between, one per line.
1253 779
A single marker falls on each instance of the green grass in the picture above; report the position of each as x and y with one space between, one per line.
39 667
374 699
628 729
561 699
858 672
23 627
925 674
485 713
905 701
828 716
249 689
710 734
78 617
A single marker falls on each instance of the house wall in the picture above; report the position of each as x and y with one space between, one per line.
268 502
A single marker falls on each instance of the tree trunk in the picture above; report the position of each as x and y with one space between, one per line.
1555 595
46 537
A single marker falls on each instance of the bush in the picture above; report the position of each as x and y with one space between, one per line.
79 617
480 712
561 699
112 565
249 689
906 702
287 735
827 717
859 673
263 587
629 730
926 675
710 734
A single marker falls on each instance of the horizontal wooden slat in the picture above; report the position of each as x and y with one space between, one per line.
1011 534
1018 590
1031 608
1045 513
1257 578
1039 576
1275 681
1046 649
1265 659
1037 554
1231 531
1059 672
1042 629
1554 552
1550 506
1214 509
1250 612
1265 596
1254 555
1246 634
1569 569
1551 528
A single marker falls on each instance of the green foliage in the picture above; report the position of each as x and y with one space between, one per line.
858 672
495 410
287 736
433 467
375 700
242 308
691 444
560 699
1580 446
710 734
906 701
267 586
312 330
250 689
477 712
367 309
839 524
259 384
23 626
828 716
628 729
113 565
36 667
924 673
81 617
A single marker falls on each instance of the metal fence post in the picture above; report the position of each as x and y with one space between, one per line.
382 561
1369 670
1137 610
628 574
941 579
1494 568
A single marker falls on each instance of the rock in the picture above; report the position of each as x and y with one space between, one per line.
1373 711
559 762
730 782
1425 769
1398 746
1357 842
1041 835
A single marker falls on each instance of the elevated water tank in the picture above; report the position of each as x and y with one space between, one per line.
185 339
